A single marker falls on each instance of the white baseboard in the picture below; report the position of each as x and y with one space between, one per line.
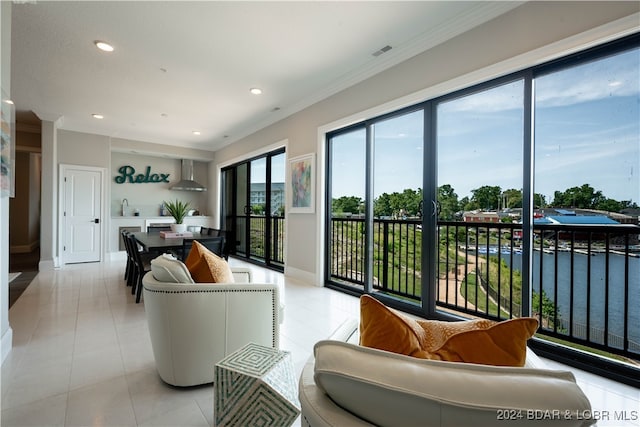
6 343
302 275
47 265
24 249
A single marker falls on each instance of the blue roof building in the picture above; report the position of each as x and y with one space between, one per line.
580 220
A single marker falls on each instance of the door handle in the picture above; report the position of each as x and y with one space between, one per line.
97 220
436 208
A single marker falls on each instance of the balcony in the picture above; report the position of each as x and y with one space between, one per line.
266 239
585 281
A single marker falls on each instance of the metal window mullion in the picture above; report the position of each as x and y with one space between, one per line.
429 217
498 299
606 288
572 283
555 283
527 194
589 286
625 345
330 232
368 207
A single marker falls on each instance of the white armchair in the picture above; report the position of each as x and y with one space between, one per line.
195 325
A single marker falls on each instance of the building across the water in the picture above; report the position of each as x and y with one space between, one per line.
258 196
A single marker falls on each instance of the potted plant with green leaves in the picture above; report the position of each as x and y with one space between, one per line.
178 210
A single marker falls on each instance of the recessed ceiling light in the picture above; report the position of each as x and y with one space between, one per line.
255 90
97 116
196 132
104 46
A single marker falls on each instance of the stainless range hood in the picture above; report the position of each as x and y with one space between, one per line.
187 183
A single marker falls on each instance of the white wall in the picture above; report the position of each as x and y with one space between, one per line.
6 334
530 34
61 146
77 148
147 197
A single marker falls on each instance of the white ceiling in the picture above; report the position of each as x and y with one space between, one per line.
182 66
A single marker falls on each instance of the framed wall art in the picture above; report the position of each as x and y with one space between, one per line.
302 184
7 147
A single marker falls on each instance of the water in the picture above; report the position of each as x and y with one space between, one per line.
596 289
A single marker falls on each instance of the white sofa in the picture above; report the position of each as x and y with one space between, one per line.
195 325
346 385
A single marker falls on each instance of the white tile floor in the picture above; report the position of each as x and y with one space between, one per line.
82 357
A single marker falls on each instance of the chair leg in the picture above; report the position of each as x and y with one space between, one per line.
132 275
126 271
139 290
135 280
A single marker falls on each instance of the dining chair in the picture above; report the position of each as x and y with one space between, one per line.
222 233
128 271
141 266
214 244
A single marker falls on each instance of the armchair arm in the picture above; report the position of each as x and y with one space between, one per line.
241 274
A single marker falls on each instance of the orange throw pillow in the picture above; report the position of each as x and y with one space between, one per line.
197 249
207 267
437 332
479 341
503 344
386 329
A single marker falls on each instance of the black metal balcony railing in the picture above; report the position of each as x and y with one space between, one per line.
585 279
258 237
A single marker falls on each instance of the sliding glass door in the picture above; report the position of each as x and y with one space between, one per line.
253 208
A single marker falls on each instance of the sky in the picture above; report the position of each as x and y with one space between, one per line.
259 169
587 131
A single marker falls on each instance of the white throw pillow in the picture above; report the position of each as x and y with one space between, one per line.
167 268
388 389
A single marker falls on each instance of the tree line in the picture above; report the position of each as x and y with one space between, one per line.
487 197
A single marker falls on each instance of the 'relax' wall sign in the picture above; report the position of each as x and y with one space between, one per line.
128 175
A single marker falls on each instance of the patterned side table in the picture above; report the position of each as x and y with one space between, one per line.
255 386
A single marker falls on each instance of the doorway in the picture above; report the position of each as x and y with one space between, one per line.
81 189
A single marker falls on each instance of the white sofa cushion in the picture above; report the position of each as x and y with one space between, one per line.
167 268
388 389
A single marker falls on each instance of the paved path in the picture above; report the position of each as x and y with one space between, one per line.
449 287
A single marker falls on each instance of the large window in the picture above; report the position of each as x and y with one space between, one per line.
515 197
480 180
347 198
587 162
397 204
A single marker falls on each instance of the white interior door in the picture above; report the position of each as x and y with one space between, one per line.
82 215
